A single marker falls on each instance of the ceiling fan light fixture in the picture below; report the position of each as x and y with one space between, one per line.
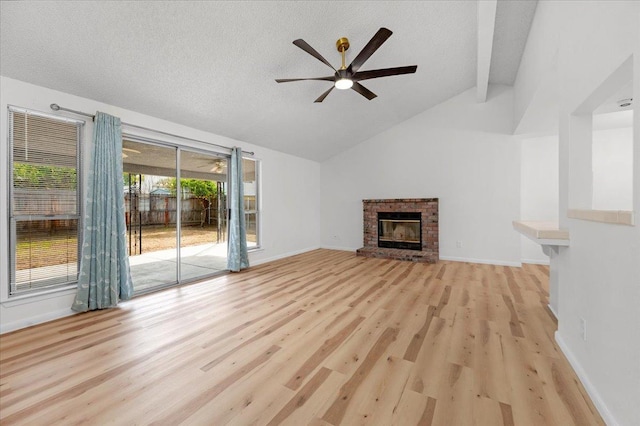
344 84
349 77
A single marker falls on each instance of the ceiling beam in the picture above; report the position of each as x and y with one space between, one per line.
486 27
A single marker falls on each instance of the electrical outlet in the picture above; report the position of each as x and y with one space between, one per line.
583 328
459 244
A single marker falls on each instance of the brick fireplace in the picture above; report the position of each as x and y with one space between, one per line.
402 229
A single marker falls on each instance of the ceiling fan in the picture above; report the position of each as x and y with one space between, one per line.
219 165
130 150
349 77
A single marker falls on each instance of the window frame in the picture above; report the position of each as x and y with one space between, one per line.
13 219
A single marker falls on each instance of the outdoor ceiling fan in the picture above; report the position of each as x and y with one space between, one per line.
349 77
219 166
135 151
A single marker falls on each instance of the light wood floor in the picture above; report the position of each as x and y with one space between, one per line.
323 338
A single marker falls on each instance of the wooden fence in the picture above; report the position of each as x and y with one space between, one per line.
140 209
160 209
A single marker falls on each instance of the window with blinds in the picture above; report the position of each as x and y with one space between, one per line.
44 164
251 205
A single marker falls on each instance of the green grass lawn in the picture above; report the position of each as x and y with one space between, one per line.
35 250
45 250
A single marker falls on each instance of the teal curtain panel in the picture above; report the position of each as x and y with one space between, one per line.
104 276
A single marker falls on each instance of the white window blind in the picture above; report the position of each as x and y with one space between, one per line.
251 201
44 169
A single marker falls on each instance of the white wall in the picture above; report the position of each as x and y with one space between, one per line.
461 152
534 83
290 198
538 189
612 162
600 270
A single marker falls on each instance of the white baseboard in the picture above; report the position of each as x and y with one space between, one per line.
553 311
37 319
588 386
282 256
452 258
535 261
483 261
339 248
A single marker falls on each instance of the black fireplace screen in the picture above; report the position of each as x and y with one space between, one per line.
401 230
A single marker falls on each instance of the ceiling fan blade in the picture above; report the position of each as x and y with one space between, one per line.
324 95
376 41
386 72
286 80
311 51
363 90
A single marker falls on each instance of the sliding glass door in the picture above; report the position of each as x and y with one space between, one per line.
203 248
150 213
175 203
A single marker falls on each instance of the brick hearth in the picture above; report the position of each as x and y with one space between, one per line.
428 209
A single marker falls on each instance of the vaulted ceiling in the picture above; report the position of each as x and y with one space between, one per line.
212 65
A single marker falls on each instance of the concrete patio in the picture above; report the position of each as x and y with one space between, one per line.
159 268
148 270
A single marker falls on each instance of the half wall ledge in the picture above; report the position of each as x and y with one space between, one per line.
551 238
543 232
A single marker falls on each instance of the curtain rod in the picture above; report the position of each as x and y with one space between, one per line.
57 107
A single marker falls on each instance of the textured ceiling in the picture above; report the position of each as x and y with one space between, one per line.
212 65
